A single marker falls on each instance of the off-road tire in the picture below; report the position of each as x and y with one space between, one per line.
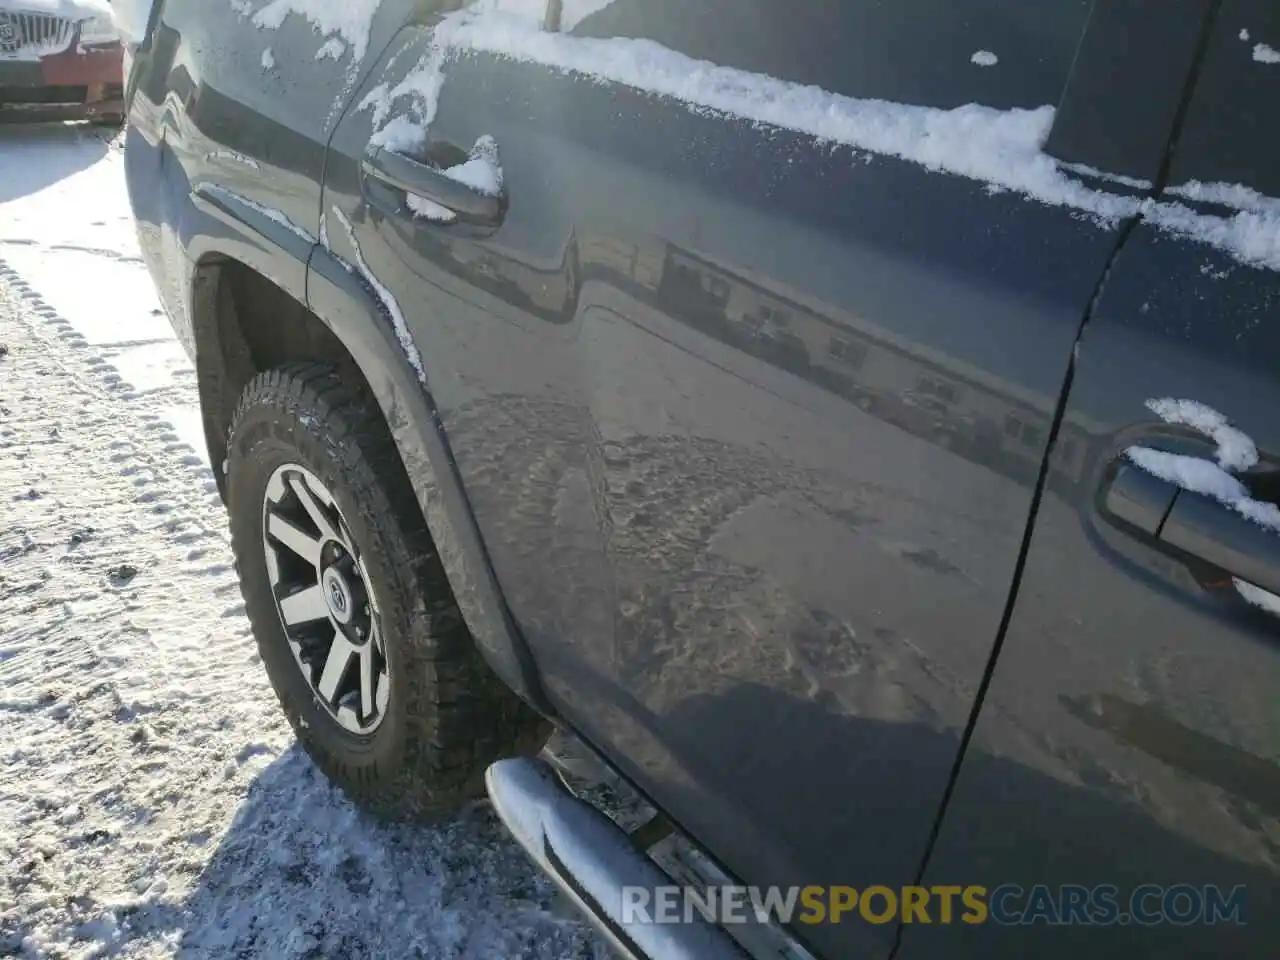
449 716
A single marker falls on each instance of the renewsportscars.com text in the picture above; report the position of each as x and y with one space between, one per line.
1008 905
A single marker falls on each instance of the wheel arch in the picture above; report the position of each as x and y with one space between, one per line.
243 323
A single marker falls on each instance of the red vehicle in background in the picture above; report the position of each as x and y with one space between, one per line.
60 59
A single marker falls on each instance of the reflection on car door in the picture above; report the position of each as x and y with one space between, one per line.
749 417
1130 735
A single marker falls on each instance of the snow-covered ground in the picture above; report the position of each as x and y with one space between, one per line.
152 801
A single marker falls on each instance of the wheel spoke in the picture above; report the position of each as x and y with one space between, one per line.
307 497
304 606
308 548
335 666
367 705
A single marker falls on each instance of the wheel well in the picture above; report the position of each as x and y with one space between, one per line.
244 324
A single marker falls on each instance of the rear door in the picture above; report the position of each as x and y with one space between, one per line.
1129 742
748 369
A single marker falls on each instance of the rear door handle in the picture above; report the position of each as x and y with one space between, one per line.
408 176
1214 533
1186 524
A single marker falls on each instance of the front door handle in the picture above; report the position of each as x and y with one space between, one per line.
1192 527
466 203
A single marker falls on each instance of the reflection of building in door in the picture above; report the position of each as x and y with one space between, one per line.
927 393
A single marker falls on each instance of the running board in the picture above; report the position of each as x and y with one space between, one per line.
591 860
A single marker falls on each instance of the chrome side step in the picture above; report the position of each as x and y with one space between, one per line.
591 859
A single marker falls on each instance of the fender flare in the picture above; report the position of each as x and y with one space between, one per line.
345 304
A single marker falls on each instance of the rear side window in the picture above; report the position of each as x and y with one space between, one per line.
937 53
1230 134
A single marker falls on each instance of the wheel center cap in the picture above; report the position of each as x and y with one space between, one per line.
337 595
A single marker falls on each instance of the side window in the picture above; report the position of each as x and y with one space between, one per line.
1229 135
937 53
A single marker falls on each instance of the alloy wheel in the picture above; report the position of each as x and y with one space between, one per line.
322 595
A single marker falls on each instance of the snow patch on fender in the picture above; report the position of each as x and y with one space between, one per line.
388 300
275 216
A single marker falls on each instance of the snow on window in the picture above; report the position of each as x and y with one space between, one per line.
1265 54
268 59
1236 451
348 19
984 58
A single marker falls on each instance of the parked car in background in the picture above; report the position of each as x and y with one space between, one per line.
60 59
856 422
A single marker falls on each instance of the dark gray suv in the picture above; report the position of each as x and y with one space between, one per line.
853 426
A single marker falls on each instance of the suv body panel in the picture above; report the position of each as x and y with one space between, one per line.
726 404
